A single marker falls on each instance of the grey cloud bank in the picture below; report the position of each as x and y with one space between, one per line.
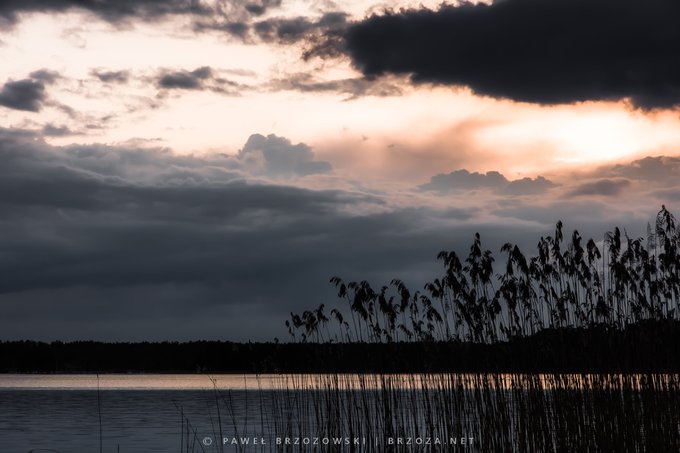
171 242
126 243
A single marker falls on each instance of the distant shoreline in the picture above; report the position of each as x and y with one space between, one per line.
651 346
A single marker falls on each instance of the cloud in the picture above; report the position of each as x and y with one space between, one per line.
110 236
590 216
355 87
276 157
604 187
211 79
657 168
28 94
25 94
529 186
45 75
654 177
290 30
109 10
257 9
111 76
544 52
283 30
319 34
184 79
233 16
50 130
463 180
134 243
203 78
133 191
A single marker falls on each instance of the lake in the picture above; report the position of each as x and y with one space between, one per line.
446 412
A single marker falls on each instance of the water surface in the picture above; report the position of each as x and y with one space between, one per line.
177 413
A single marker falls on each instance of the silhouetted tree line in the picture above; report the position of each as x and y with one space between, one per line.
570 282
649 346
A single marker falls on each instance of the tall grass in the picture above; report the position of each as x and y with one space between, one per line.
489 412
568 282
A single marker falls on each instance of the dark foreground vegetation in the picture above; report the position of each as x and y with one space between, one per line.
652 346
458 412
569 283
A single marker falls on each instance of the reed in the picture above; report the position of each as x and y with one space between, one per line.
489 412
566 284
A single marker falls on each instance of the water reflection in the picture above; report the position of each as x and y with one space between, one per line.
321 381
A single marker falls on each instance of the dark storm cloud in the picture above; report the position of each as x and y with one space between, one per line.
540 51
463 180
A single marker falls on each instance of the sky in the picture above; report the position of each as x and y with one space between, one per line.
198 169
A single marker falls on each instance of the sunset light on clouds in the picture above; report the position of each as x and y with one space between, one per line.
231 156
